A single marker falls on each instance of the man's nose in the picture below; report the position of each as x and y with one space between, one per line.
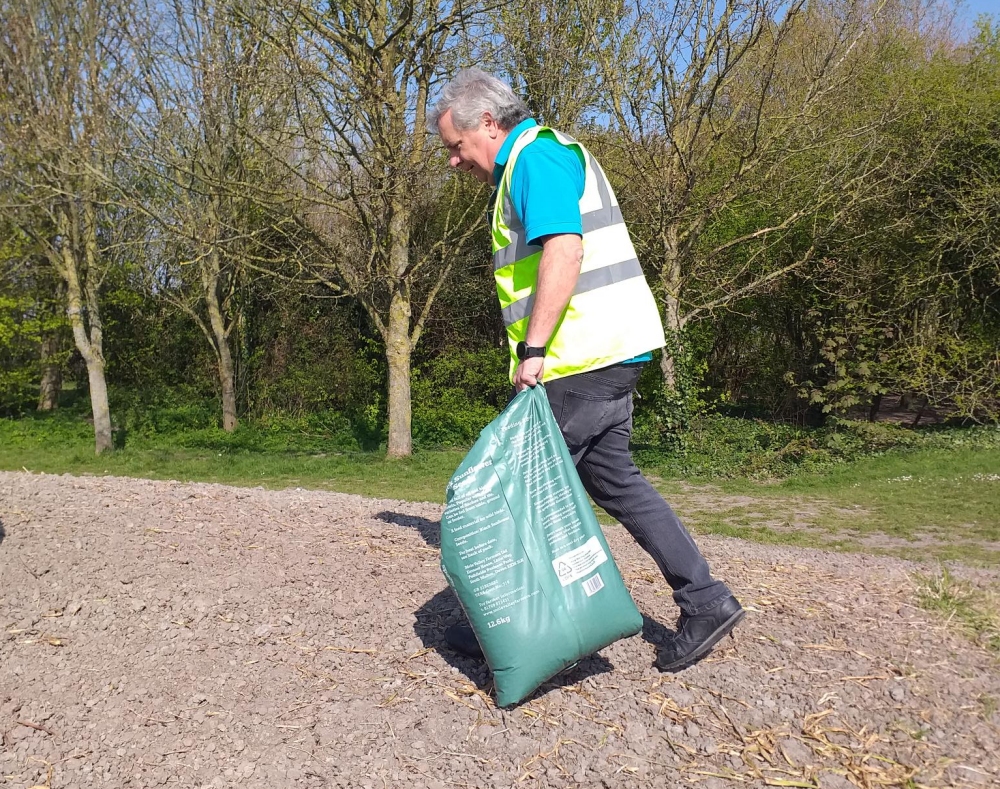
454 160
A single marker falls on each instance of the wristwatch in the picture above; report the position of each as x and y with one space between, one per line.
525 351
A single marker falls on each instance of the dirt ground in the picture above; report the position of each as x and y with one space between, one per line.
158 634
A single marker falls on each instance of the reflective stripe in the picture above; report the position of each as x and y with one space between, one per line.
602 180
519 248
588 280
595 220
519 310
516 250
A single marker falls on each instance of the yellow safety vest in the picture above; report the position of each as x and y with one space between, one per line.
612 315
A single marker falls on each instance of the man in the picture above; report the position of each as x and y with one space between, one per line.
580 317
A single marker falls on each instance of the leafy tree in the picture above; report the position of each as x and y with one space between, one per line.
370 173
723 107
64 77
33 327
905 298
216 104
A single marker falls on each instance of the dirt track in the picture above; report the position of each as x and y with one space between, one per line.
158 633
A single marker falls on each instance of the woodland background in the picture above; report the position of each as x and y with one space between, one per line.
228 217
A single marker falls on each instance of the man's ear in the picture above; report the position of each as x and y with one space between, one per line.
491 125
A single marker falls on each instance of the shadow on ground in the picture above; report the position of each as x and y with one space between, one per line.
429 530
3 533
443 609
655 633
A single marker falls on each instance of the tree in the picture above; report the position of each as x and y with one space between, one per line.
64 79
365 74
214 103
33 325
913 305
558 80
723 108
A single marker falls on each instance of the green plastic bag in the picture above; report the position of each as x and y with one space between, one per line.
522 549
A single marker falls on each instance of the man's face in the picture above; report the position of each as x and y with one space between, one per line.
472 150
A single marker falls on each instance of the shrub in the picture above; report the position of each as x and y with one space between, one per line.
726 447
455 395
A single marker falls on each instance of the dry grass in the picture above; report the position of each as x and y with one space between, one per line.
973 609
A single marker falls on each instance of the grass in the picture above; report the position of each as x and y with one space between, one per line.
976 611
70 449
924 504
920 504
418 478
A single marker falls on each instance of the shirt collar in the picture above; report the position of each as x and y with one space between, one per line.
508 144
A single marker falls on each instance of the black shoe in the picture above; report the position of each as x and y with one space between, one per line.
696 635
463 639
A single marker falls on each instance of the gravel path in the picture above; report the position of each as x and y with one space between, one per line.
158 634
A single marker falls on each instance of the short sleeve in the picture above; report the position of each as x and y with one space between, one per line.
546 187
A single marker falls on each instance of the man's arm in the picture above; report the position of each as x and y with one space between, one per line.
558 271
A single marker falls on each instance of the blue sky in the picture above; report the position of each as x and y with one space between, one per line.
974 8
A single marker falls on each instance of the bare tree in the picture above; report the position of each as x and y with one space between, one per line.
740 111
62 77
549 47
365 73
212 104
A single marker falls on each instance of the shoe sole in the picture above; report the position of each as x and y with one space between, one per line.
707 645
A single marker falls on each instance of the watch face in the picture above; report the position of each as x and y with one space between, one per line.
525 351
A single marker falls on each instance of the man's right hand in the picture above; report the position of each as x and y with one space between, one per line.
529 373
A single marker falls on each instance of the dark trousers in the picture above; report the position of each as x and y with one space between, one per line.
594 411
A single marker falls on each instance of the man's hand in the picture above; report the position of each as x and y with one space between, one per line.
528 373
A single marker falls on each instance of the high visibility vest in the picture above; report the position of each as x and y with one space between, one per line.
612 315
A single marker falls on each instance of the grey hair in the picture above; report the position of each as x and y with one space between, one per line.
471 94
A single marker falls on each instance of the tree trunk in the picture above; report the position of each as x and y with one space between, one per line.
397 349
223 356
48 392
224 360
99 404
398 343
92 352
80 237
672 319
874 407
227 377
103 438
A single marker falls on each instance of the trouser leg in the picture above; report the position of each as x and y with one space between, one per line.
594 411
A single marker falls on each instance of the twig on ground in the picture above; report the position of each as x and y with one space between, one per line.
36 727
298 707
73 756
34 575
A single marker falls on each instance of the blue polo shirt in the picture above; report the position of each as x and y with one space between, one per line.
546 188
